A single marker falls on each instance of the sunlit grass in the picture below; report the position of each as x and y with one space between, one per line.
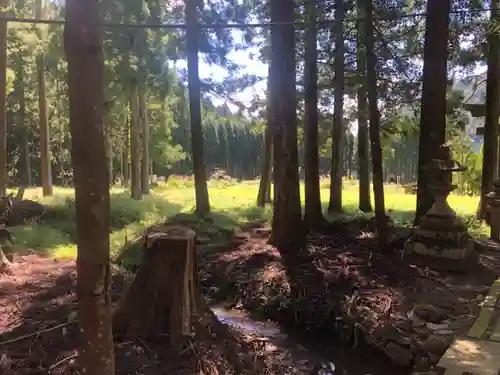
230 201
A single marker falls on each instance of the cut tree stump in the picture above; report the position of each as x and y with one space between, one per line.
164 295
20 194
5 265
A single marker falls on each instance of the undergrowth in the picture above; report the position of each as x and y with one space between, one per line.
231 203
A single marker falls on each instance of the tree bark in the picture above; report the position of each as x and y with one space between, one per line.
313 214
143 113
288 235
107 145
265 174
135 143
21 118
60 138
125 154
433 107
45 162
363 136
264 194
4 4
335 204
490 147
82 42
107 140
110 164
200 174
164 294
376 148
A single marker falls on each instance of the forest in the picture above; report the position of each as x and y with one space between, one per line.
328 204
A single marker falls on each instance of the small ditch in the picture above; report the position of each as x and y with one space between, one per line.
328 357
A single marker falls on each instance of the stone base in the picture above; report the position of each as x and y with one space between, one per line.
453 257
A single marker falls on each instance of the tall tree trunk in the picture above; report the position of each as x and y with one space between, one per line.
313 214
350 155
21 119
269 183
135 143
143 111
490 147
27 176
61 148
287 235
125 154
363 151
200 174
107 139
107 145
376 148
45 164
265 174
82 37
433 107
110 163
4 4
335 204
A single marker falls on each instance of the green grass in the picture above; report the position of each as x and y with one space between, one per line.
231 203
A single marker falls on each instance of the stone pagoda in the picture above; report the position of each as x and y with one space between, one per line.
493 200
441 234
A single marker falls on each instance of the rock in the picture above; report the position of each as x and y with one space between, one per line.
415 320
437 327
429 313
417 344
437 344
422 363
444 332
398 354
404 325
434 358
391 333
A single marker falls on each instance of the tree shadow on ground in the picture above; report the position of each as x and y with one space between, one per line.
56 235
38 330
342 286
212 229
254 276
38 238
39 333
123 211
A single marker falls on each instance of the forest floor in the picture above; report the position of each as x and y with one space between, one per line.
360 302
409 310
39 333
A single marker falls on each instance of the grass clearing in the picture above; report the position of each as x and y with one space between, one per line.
231 203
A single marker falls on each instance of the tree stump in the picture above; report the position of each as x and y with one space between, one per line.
20 194
164 295
5 265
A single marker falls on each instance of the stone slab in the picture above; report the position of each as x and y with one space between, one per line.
441 252
495 335
453 371
491 299
471 356
481 324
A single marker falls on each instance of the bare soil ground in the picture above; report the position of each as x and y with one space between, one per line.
38 333
355 302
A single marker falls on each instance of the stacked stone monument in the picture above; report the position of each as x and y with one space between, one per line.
441 234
